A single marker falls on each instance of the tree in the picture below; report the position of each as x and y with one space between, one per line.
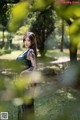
44 21
70 13
43 26
3 17
62 39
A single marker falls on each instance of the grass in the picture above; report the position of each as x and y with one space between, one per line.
7 105
12 56
12 110
57 53
50 53
53 102
57 104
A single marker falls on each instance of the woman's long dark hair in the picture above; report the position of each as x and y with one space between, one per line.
32 38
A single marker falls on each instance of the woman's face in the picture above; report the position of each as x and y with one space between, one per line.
27 43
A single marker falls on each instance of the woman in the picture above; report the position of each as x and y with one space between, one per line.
29 59
30 54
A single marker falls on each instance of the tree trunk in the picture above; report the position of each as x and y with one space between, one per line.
3 38
73 52
62 39
42 48
73 47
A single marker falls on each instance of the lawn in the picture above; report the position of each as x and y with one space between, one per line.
50 53
7 106
53 102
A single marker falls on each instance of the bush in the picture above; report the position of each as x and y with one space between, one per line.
4 51
7 50
1 52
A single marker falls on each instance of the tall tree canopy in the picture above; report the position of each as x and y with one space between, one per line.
69 12
43 27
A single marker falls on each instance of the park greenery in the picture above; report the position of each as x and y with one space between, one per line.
57 29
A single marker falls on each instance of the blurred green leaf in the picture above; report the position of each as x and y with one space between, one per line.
74 31
75 27
23 29
27 99
19 12
42 4
68 10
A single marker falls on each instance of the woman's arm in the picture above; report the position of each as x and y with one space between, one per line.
31 56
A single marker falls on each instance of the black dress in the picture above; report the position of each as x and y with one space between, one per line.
23 58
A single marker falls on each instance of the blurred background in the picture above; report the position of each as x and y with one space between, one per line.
57 30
